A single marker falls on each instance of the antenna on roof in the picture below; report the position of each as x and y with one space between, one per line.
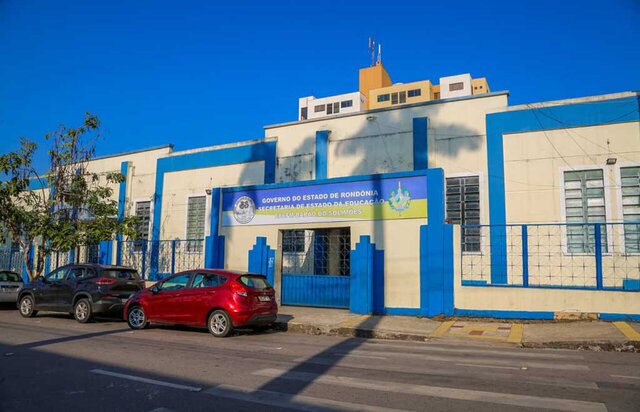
372 50
379 53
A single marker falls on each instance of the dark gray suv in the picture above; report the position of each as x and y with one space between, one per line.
82 290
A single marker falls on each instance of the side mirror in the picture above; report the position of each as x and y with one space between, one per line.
155 289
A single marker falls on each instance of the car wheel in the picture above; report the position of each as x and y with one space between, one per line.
82 310
137 318
220 324
27 307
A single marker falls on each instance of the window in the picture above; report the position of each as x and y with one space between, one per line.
630 179
436 95
303 113
336 107
414 93
293 241
463 208
329 108
346 103
383 98
254 282
319 108
176 283
584 203
403 97
394 98
196 210
9 277
143 213
57 275
76 273
207 280
456 86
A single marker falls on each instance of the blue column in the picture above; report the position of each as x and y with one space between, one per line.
497 208
366 294
122 205
105 252
420 143
214 243
598 250
525 256
322 154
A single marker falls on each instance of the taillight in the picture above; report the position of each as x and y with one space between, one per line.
105 281
238 289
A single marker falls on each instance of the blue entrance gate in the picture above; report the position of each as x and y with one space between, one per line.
316 267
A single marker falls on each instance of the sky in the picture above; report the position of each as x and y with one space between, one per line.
200 73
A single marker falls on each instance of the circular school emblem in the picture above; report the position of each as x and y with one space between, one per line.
400 199
244 210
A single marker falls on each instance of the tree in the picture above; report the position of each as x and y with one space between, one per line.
67 206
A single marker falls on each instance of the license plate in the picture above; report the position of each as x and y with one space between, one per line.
264 298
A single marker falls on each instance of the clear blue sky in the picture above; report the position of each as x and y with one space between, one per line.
200 73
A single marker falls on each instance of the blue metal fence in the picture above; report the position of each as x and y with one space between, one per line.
11 259
157 259
572 255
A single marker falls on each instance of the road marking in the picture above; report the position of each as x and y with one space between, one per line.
488 366
442 329
515 336
627 330
437 391
147 380
353 322
625 377
290 401
445 358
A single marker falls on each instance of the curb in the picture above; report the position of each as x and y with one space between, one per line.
310 329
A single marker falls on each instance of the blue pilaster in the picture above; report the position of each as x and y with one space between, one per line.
262 259
525 256
105 252
322 154
598 252
420 143
122 204
366 294
214 243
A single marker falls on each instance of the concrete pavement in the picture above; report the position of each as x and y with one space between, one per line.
53 363
592 334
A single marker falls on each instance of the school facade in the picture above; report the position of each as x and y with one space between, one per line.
463 206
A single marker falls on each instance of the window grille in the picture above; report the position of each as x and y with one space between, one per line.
463 208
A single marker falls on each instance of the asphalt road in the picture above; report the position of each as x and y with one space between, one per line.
53 363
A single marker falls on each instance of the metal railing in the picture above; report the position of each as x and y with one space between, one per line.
11 259
572 255
316 252
157 259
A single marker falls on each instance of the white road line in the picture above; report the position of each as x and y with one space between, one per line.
446 370
438 392
625 377
502 354
147 380
289 401
453 358
488 366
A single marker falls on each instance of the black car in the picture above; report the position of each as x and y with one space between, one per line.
82 290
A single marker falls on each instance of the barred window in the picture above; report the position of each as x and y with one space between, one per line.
383 98
414 93
403 97
630 182
143 213
463 208
196 210
293 241
584 203
456 86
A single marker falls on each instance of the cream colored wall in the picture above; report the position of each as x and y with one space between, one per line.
400 240
180 185
535 162
425 94
456 140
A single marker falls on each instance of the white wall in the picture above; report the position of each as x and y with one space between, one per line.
446 82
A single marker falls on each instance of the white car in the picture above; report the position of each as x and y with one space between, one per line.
10 285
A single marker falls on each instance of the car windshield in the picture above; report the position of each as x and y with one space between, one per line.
254 282
125 274
10 277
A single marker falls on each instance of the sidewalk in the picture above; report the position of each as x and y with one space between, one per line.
592 335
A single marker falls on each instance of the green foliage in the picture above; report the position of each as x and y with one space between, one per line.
73 205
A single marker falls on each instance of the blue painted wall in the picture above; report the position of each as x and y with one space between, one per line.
367 278
420 143
322 154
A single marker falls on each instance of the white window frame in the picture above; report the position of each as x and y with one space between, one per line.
151 208
620 209
207 215
563 209
481 183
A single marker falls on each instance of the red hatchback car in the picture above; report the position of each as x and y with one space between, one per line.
219 299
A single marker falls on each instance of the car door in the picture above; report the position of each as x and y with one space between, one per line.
161 304
200 297
45 293
66 288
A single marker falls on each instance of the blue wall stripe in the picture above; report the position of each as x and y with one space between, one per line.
322 154
620 317
536 119
420 143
